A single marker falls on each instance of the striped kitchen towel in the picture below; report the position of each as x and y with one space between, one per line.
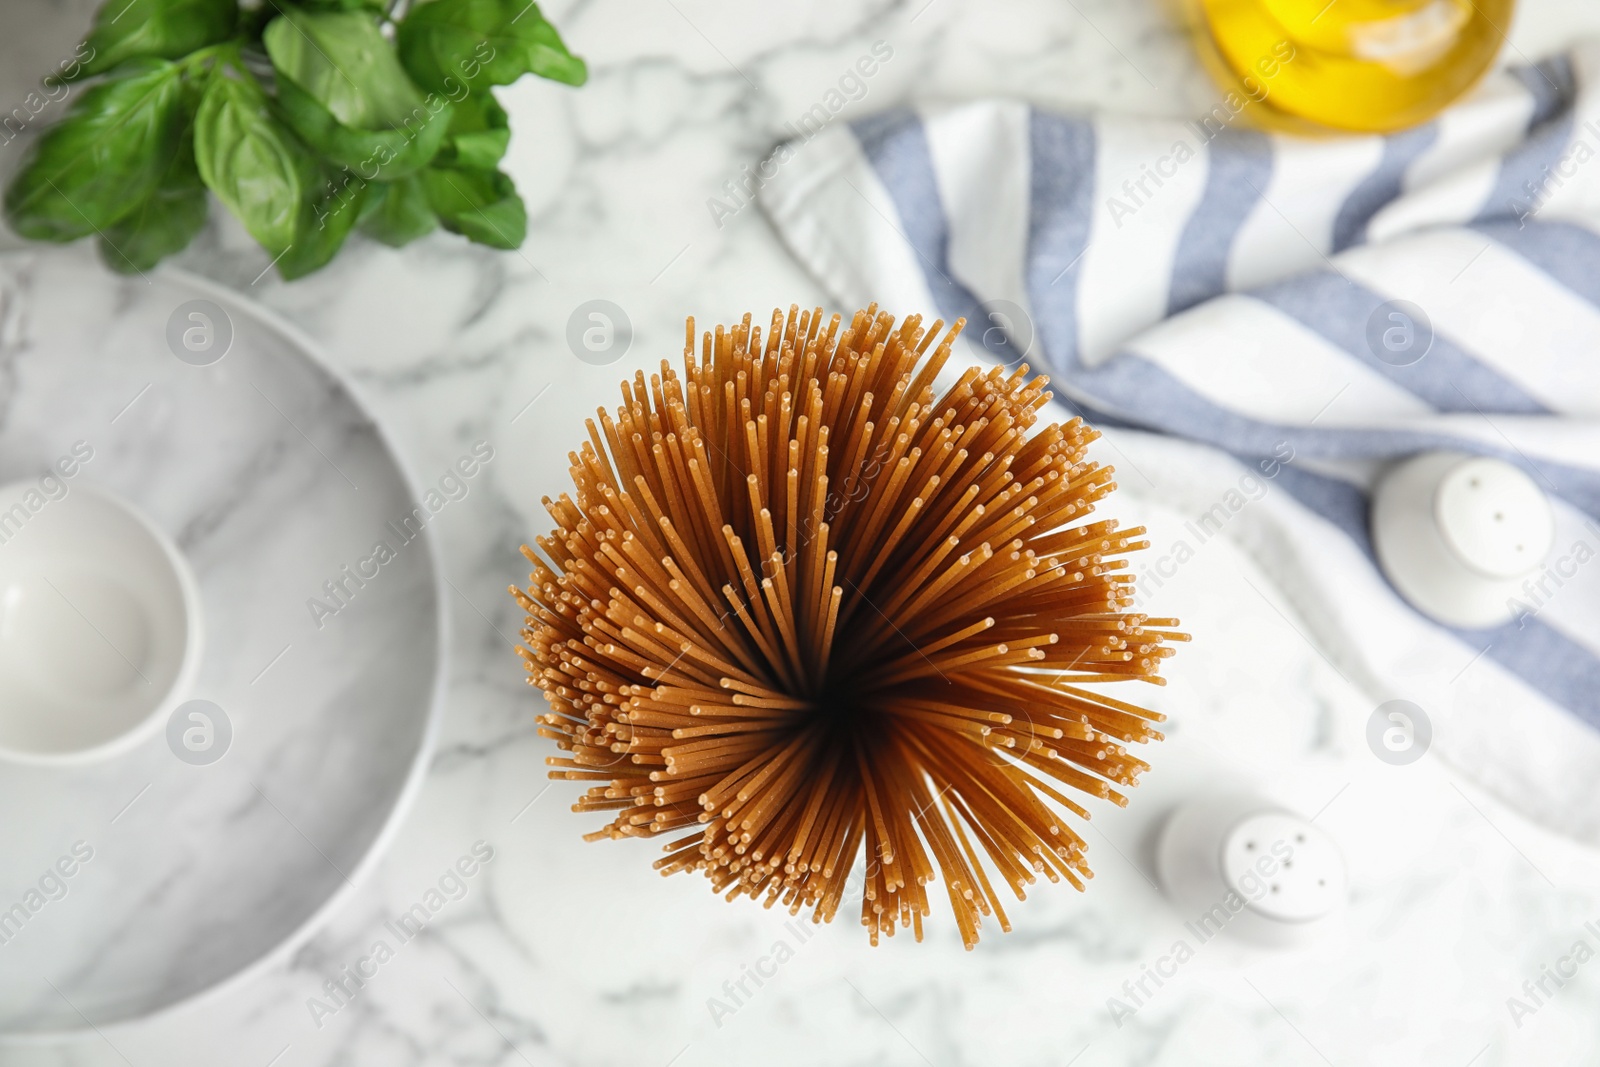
1237 291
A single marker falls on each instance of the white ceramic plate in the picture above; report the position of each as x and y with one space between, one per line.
137 882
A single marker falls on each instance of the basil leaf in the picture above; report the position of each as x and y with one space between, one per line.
481 205
375 155
341 59
99 162
479 133
446 44
344 93
400 213
167 29
253 164
326 219
163 222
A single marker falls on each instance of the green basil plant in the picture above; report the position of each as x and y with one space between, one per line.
307 118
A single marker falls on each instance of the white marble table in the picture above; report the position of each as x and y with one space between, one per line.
565 953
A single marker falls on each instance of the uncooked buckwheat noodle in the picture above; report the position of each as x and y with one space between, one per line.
800 613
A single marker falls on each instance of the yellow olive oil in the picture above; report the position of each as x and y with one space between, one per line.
1370 65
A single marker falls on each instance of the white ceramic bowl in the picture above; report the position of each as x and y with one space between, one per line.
99 622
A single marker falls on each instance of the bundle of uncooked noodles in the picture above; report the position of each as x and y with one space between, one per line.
834 637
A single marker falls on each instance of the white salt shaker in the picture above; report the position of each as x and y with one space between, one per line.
1457 535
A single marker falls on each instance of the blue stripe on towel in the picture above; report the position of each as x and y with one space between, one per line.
1240 166
1553 86
1142 391
1551 82
1549 661
1063 155
1524 171
1382 185
897 145
1566 252
1447 378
